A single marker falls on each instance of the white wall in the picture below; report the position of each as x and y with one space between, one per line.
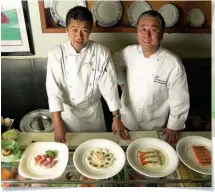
185 45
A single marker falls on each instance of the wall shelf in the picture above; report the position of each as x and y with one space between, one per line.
49 25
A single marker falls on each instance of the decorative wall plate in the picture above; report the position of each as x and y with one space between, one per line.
107 13
135 10
60 8
170 14
196 17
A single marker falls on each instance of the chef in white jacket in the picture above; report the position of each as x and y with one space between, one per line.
78 72
153 80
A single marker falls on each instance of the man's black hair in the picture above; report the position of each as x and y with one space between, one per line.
79 13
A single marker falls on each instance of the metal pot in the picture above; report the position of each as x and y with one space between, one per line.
37 121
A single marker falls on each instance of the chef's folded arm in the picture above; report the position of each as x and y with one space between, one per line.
53 84
179 100
108 85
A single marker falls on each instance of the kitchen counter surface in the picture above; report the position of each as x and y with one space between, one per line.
75 139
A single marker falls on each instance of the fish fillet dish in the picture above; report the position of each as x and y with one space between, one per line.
151 158
202 155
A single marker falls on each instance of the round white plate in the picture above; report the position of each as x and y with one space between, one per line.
79 158
170 14
107 13
60 8
171 158
186 155
196 17
135 10
27 167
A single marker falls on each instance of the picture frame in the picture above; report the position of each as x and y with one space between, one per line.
16 34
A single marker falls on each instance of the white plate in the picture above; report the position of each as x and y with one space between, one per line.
28 169
186 155
196 17
107 13
135 10
171 158
60 8
79 158
170 14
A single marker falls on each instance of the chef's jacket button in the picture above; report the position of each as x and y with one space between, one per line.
90 84
73 99
92 69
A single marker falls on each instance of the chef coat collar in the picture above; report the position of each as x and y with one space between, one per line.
153 56
73 51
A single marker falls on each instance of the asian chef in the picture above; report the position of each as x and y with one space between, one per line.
153 80
79 71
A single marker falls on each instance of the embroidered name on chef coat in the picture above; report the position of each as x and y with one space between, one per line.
158 80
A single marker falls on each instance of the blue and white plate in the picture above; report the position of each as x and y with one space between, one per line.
135 10
170 14
60 8
196 17
107 13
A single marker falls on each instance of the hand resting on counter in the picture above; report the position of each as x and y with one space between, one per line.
118 127
171 136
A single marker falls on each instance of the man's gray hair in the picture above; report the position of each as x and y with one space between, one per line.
153 13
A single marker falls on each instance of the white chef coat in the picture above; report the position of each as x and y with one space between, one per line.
155 93
75 82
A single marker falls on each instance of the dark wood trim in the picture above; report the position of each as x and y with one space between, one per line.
49 25
42 16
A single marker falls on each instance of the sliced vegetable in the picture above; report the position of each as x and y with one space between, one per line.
50 153
10 151
7 152
11 134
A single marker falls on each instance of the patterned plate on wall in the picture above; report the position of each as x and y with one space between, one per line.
196 17
60 8
170 14
135 10
107 13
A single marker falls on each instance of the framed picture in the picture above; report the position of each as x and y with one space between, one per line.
16 36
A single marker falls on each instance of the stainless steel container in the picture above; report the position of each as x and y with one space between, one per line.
37 121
